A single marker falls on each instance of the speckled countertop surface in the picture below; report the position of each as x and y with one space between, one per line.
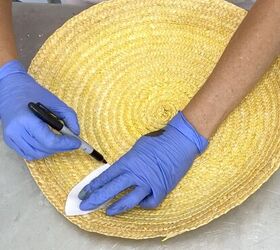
28 221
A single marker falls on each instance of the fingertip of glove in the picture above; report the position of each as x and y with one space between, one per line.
114 210
87 205
110 212
84 193
83 206
73 143
75 128
77 143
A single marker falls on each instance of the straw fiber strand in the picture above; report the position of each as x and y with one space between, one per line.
126 67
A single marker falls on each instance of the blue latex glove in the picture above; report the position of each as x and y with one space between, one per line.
30 137
153 167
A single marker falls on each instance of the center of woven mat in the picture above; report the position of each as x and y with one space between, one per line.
164 112
158 114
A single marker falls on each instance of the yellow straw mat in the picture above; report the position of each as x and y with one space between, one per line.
126 67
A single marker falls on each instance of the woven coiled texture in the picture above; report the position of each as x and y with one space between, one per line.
126 67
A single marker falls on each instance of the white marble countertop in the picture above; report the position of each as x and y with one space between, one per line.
28 221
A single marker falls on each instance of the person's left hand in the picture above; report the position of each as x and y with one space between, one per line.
153 167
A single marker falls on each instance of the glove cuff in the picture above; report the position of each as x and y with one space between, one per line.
11 67
180 122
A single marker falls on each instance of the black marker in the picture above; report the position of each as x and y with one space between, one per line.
53 121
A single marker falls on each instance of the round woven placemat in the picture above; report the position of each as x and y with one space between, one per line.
126 67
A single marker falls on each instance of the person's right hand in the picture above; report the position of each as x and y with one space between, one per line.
30 137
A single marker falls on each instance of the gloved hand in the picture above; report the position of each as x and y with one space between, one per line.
30 137
153 167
